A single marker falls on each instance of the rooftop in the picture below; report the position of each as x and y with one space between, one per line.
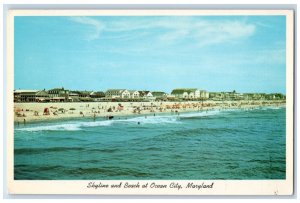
27 91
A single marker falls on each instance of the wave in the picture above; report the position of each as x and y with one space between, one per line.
60 127
66 126
200 114
273 107
152 119
142 120
76 126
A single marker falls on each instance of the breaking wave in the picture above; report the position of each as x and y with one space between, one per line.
142 120
200 114
66 126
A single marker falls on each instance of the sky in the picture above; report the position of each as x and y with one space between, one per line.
156 53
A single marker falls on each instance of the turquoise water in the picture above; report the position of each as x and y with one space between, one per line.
228 144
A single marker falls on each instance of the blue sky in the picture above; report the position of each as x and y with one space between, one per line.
215 53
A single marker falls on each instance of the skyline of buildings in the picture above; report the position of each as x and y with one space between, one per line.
65 95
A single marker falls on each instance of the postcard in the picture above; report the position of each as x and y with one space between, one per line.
150 102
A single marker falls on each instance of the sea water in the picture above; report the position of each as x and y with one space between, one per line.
227 144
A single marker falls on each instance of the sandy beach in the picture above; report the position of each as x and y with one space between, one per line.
52 111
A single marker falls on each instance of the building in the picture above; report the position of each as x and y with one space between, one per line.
254 96
84 96
97 96
59 95
226 96
185 93
216 96
146 95
74 96
31 96
115 93
204 95
190 93
134 94
275 96
125 94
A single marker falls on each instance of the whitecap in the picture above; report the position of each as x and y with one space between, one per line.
200 114
61 127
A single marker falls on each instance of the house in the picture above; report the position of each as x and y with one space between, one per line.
42 96
146 95
239 96
84 96
31 96
203 94
254 96
58 94
97 96
190 93
115 93
24 95
275 96
125 94
134 94
184 93
74 96
216 96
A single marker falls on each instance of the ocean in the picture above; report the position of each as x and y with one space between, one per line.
220 145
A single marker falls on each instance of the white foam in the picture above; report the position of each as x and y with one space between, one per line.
200 114
67 126
148 119
63 127
96 123
274 107
152 119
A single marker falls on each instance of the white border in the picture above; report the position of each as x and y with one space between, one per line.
261 187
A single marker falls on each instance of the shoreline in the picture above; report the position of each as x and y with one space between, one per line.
34 112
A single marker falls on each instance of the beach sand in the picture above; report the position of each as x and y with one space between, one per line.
30 112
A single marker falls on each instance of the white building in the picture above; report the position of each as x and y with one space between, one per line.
134 94
125 94
204 94
114 93
146 95
190 93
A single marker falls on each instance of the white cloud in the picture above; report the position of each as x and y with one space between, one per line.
220 32
174 29
96 25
